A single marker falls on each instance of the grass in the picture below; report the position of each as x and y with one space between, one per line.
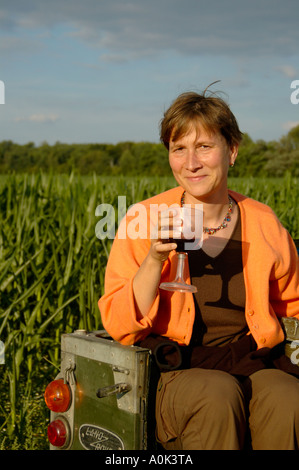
52 274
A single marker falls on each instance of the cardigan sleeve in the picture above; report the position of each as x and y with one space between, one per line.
284 281
270 259
119 314
172 313
271 271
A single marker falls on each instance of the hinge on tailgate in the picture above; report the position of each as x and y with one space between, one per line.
69 376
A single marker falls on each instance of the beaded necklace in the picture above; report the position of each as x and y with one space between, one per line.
226 219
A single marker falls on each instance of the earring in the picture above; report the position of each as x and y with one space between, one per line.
232 165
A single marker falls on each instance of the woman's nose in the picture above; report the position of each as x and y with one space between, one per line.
192 161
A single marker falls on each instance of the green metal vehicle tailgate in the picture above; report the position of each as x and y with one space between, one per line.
109 384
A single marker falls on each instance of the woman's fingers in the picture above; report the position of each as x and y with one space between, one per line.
169 224
168 227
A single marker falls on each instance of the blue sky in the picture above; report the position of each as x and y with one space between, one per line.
105 70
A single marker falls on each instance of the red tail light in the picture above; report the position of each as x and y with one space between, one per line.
58 432
58 396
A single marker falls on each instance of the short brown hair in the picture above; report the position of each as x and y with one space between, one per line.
212 112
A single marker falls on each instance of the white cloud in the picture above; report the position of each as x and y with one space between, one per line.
59 58
288 70
289 125
40 118
142 27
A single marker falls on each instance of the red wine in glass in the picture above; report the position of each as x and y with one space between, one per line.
187 240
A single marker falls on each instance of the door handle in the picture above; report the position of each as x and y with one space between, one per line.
113 390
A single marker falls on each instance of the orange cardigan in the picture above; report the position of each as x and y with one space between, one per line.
271 275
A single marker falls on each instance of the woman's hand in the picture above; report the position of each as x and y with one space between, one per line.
147 278
167 228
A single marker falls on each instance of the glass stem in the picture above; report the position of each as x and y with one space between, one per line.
180 267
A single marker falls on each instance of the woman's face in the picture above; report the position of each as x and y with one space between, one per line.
199 162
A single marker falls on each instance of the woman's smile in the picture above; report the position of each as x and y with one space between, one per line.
195 179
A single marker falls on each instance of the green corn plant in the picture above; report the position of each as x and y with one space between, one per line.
52 269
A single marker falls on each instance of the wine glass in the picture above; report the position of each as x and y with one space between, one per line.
190 237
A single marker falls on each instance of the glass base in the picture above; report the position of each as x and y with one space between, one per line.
178 287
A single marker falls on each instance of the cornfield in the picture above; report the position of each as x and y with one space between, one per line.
52 274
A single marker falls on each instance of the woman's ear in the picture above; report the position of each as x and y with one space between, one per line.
233 154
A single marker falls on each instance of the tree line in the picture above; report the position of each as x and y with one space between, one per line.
256 158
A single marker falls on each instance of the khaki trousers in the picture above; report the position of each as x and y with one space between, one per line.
202 409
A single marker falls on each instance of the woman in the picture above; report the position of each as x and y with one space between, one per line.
232 375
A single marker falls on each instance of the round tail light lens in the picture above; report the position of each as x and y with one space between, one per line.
58 396
58 433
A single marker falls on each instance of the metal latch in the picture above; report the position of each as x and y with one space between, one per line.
69 376
113 389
